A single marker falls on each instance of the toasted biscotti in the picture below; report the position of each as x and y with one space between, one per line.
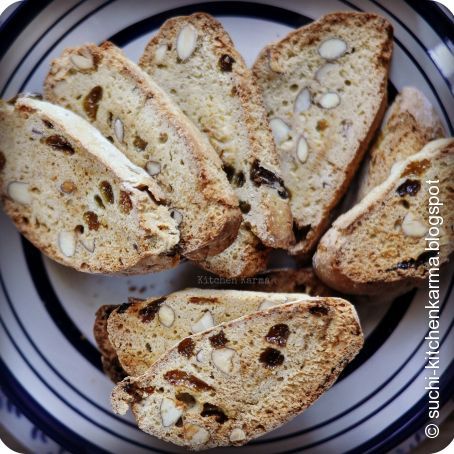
102 85
141 332
409 124
288 280
77 198
389 240
243 378
194 59
325 90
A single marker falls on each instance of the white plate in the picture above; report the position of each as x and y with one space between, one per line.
50 365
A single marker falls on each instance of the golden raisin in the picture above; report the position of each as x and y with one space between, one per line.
125 202
139 143
106 191
91 102
91 219
59 143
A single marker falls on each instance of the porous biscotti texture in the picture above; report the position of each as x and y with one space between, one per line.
380 243
215 89
324 88
76 197
409 124
141 332
121 100
245 377
288 280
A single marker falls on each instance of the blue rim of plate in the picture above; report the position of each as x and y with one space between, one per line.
408 423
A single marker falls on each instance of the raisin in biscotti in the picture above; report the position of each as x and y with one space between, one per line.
409 124
142 331
76 197
245 377
121 100
195 61
325 88
380 244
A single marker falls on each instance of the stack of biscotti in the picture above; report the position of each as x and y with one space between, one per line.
242 378
324 87
195 61
410 123
402 229
76 197
103 86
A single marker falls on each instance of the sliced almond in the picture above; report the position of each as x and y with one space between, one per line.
330 100
237 434
223 359
280 129
166 315
302 150
200 357
119 129
204 322
82 61
186 41
176 216
325 71
303 101
332 48
160 53
67 243
153 168
170 413
196 434
88 244
267 304
18 191
413 226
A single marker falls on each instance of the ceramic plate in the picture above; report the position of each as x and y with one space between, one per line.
50 367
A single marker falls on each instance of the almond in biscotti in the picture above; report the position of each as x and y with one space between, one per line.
321 60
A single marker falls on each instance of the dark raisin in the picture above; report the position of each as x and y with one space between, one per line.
213 410
48 124
409 187
422 259
239 179
186 347
147 313
123 308
139 143
244 207
318 310
300 232
99 201
106 191
2 161
91 102
79 229
91 219
226 62
278 334
136 392
125 202
271 358
260 175
181 378
148 347
218 340
59 143
229 171
187 399
179 423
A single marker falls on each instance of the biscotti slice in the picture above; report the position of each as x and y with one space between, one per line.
245 377
325 88
76 197
141 332
102 85
409 124
195 61
400 230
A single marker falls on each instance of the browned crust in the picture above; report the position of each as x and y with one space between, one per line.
306 36
205 161
278 222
